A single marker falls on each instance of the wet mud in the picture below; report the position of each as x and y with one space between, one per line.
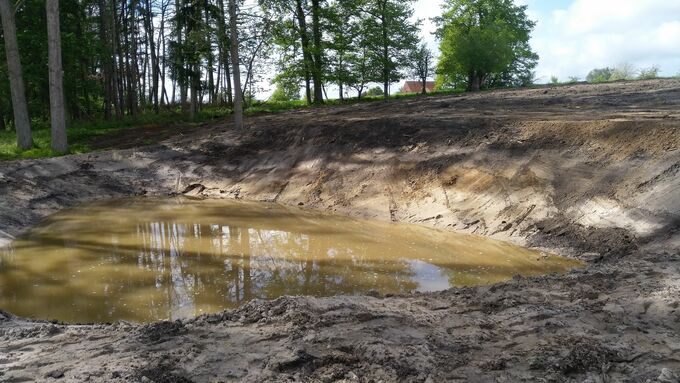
589 172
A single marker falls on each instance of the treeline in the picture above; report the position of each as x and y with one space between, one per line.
127 57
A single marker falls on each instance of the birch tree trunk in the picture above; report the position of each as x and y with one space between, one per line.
236 69
318 53
57 112
16 80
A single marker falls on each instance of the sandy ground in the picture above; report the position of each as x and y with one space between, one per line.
589 171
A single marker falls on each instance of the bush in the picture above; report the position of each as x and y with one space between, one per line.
554 80
600 75
375 91
624 71
649 73
285 92
573 80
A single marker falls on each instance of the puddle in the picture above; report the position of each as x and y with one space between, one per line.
149 259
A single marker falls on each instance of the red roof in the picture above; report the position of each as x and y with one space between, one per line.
417 86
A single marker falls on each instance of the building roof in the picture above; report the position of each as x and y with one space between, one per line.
417 86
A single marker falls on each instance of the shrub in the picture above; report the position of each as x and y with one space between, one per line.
600 75
649 73
624 71
286 91
554 80
375 91
573 80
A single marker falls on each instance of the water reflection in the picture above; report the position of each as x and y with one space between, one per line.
145 260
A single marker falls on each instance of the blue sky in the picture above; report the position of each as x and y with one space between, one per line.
574 36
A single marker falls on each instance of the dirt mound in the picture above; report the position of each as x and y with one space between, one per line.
586 171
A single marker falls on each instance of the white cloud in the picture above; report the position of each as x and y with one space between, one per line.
581 35
589 34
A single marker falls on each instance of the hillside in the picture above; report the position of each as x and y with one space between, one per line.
587 171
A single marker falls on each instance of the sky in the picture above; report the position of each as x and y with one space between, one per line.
572 37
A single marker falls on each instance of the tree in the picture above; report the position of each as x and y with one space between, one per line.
344 32
317 64
422 65
57 110
287 89
361 70
486 42
600 75
649 73
238 97
375 91
624 71
21 120
390 37
292 33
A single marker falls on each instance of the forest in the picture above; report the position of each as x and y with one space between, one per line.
339 191
102 60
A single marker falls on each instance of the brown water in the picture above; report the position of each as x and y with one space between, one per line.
145 260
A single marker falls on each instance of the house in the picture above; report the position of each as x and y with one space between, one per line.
417 87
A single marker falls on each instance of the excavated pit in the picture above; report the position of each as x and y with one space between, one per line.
587 171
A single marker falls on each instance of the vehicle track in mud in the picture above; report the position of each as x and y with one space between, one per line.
588 171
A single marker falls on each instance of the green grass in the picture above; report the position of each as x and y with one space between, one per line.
82 133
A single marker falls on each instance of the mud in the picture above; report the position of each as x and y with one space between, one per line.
585 171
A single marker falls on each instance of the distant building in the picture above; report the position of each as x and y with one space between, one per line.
417 87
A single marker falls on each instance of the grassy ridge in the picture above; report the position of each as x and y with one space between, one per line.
81 133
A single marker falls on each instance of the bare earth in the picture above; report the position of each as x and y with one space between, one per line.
589 171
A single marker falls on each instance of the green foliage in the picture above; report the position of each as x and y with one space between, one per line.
599 75
286 90
554 80
389 37
80 49
649 73
624 71
81 134
343 28
375 91
422 62
485 43
573 80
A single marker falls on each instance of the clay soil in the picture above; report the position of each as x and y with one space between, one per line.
587 171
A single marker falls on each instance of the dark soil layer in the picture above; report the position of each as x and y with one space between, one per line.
590 171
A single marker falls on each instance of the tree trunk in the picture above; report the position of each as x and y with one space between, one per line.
106 59
57 112
16 80
154 58
135 77
181 80
238 98
195 85
424 91
211 70
474 82
117 80
318 54
385 53
306 54
224 43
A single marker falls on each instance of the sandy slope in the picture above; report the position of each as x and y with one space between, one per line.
587 171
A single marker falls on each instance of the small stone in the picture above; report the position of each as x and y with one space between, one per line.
55 374
667 376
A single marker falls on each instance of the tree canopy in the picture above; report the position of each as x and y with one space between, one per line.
485 43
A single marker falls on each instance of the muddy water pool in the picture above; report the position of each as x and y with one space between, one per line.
154 259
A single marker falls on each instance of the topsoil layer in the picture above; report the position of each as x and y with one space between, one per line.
589 171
